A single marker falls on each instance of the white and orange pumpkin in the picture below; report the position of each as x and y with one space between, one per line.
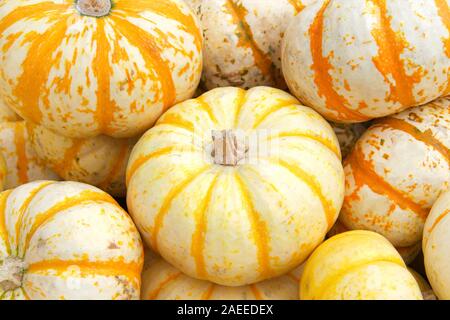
357 60
436 246
242 40
396 172
22 163
161 281
87 67
100 161
237 186
67 240
357 265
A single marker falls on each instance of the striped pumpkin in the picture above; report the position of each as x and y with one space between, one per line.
357 265
22 163
67 240
87 67
237 186
243 40
396 172
100 161
357 60
348 134
161 281
427 292
408 254
436 246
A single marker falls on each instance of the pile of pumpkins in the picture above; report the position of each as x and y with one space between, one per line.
313 162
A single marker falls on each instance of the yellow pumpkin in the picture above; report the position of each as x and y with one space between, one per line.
22 162
348 135
67 240
99 161
237 186
161 281
436 246
408 254
357 265
424 286
357 60
242 44
396 172
88 67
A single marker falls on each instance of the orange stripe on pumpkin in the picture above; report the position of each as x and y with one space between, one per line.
297 4
164 209
389 63
259 230
64 166
258 295
207 108
83 197
154 293
3 231
245 37
322 78
241 99
426 136
21 152
364 174
32 83
439 219
314 185
272 109
151 54
173 119
208 294
23 208
119 163
86 268
198 238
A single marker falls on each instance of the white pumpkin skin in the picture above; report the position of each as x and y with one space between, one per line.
22 163
161 281
396 172
242 40
236 225
73 241
436 246
83 76
424 286
100 161
357 60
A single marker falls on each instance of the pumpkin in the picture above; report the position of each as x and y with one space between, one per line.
357 60
348 134
99 161
242 40
237 186
6 114
396 172
66 240
357 265
436 246
408 254
87 67
22 163
161 281
3 172
424 286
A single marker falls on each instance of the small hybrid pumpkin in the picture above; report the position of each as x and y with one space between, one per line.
237 186
67 240
242 40
436 246
23 165
99 161
396 172
357 60
408 253
357 265
348 134
161 281
427 292
89 67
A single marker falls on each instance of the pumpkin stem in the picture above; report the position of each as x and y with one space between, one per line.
94 8
11 273
228 149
